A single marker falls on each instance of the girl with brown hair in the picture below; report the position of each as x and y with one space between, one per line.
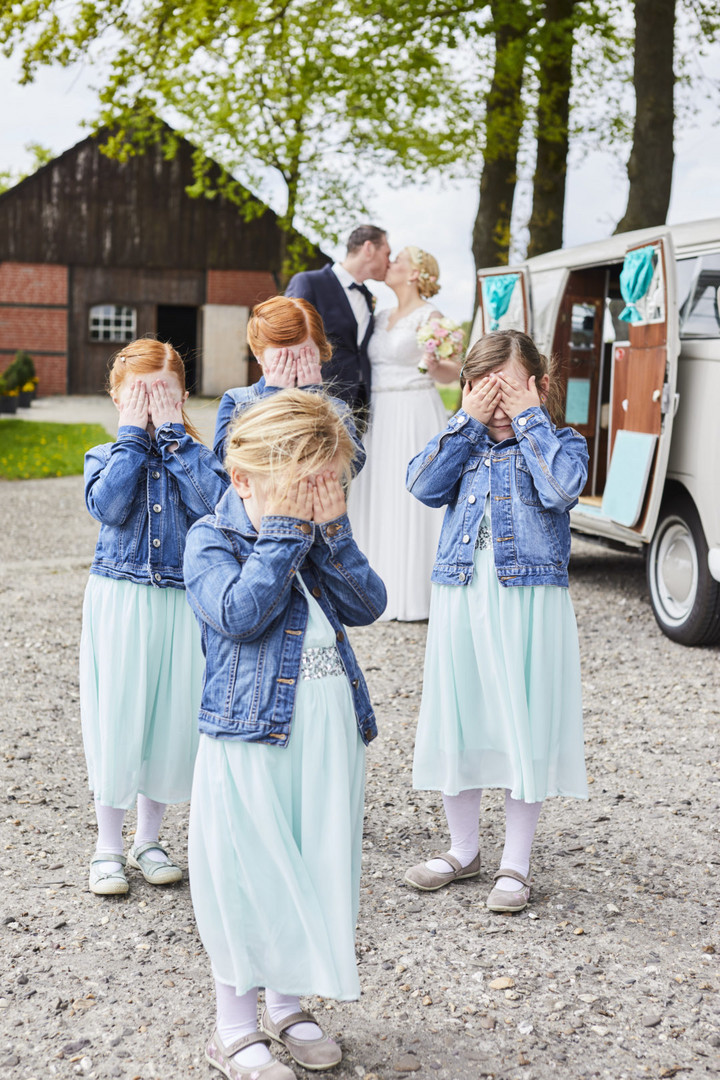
501 704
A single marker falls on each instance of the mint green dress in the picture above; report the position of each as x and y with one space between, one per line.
275 840
141 676
502 701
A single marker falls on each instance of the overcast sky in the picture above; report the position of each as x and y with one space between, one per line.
437 218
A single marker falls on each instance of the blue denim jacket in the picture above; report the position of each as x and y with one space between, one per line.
253 614
533 481
146 496
234 401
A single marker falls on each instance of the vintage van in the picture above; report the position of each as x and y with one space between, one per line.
635 325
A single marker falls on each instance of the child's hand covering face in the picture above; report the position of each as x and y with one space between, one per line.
481 398
295 502
165 403
279 368
295 366
133 405
328 497
308 366
517 394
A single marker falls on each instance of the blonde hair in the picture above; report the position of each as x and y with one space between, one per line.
283 321
146 356
289 436
429 271
498 347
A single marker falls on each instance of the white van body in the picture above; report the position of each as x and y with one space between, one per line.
644 393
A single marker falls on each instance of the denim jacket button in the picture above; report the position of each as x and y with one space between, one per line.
156 542
340 636
156 474
316 592
466 539
471 499
157 577
305 528
487 462
522 421
356 683
332 530
157 508
461 576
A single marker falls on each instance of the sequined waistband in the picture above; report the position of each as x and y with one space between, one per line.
484 538
320 663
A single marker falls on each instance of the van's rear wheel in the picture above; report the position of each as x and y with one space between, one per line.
685 597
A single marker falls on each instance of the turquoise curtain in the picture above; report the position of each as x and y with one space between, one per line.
497 291
635 278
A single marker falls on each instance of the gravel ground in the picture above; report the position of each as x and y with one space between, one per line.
611 972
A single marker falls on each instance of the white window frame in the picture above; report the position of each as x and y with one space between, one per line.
114 323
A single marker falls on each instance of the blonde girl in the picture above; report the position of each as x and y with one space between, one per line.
140 658
277 806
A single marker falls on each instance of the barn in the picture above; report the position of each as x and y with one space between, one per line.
95 252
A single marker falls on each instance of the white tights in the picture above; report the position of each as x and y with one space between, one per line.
237 1016
463 815
110 826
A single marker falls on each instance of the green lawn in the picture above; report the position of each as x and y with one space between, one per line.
31 450
450 396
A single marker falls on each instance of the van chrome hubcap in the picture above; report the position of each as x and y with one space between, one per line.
677 570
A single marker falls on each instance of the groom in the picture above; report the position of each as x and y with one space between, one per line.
346 305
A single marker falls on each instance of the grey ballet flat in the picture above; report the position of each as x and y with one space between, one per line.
504 900
221 1057
420 877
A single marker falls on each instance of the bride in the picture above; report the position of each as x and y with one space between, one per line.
396 532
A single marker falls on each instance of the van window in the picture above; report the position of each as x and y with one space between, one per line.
698 289
546 288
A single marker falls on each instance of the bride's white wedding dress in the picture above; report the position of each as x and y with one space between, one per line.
397 533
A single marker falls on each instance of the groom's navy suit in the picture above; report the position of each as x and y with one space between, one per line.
349 368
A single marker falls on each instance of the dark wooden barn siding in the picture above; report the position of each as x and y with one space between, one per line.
86 209
141 289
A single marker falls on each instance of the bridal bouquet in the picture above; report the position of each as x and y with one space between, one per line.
440 339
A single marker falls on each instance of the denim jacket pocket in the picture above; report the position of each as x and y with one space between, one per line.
527 492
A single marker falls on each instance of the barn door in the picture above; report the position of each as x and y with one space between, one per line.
644 374
503 301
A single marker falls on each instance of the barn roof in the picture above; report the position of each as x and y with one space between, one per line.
84 208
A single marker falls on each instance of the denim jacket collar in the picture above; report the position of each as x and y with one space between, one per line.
231 514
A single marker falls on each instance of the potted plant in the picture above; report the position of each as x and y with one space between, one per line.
8 398
26 394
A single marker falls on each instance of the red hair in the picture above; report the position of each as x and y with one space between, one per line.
283 321
145 356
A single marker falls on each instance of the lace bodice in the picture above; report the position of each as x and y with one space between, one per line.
395 354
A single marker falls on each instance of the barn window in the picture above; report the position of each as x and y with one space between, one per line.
111 322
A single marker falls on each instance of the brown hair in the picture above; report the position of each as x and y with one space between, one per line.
361 234
143 357
283 321
289 436
498 347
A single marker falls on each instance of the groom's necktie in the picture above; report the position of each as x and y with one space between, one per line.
366 293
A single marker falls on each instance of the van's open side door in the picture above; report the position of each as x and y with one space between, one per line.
503 301
643 381
642 405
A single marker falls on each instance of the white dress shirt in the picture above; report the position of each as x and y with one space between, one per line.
357 301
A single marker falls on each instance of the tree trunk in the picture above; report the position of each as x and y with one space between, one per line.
553 112
504 117
650 165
